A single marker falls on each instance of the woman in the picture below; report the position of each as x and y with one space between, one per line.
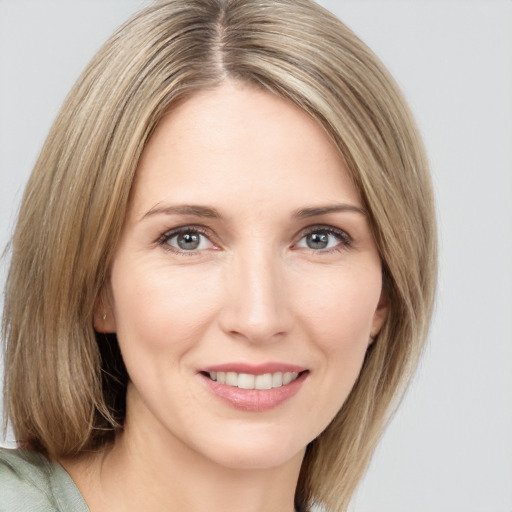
215 297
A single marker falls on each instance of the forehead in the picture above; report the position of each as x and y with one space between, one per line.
238 142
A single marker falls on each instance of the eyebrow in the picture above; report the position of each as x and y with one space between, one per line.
185 209
212 213
324 210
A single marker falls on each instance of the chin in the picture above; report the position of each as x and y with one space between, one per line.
255 450
256 457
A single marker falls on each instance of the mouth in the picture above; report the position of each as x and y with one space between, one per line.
254 388
251 381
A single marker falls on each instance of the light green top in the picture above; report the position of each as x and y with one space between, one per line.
30 483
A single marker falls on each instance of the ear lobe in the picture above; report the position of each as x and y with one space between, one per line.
104 319
379 317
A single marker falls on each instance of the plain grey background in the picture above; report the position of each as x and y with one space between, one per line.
449 448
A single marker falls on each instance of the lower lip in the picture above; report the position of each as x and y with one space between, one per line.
254 400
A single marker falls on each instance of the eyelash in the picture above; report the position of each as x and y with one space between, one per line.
169 235
345 240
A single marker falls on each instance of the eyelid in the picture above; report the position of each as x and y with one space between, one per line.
345 239
171 233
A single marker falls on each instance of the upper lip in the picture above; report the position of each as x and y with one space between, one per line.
254 369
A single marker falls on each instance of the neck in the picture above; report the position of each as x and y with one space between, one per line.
159 472
146 479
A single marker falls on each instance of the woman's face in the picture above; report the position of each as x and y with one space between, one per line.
246 284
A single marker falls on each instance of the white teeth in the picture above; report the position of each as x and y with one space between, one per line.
249 381
231 379
263 381
277 380
245 381
288 377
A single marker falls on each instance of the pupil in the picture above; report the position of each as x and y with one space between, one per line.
188 241
317 240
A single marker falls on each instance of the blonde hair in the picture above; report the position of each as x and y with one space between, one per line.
64 384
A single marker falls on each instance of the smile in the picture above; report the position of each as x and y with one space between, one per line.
254 387
250 381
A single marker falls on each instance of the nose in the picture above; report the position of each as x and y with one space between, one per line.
256 307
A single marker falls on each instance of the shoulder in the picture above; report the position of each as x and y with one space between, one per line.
24 481
31 483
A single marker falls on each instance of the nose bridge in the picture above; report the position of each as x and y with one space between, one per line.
256 304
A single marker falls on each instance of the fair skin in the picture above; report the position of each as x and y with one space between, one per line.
245 249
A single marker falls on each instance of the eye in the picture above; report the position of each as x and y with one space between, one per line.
324 239
186 240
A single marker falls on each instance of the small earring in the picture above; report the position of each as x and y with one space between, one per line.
104 317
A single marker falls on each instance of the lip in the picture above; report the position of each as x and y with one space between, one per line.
254 400
255 369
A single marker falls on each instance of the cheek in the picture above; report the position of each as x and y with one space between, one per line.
340 312
161 310
337 311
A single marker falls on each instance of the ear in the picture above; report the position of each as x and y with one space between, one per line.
379 317
104 318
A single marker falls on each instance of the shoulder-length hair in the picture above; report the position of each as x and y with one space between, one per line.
65 383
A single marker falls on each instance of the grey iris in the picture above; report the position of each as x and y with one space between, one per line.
188 241
317 240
